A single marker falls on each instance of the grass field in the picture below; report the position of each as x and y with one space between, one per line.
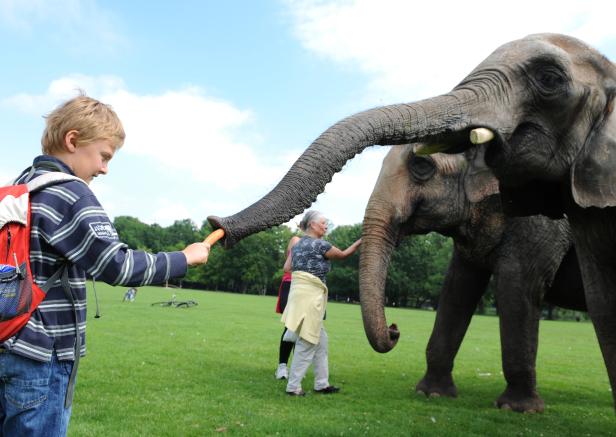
209 369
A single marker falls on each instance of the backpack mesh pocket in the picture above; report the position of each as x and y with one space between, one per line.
15 291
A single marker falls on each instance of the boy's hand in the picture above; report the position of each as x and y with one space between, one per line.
196 253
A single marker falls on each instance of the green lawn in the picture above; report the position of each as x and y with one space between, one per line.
209 370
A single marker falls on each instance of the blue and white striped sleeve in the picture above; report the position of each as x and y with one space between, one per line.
87 238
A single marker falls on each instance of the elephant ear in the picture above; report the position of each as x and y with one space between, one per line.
479 181
593 174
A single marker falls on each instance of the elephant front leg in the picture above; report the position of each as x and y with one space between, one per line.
519 313
464 285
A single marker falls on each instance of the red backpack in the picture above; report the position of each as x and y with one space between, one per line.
19 294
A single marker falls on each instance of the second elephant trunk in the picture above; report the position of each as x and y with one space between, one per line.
378 241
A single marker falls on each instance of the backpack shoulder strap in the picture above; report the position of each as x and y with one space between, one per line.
50 178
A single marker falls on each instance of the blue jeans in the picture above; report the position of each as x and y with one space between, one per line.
32 396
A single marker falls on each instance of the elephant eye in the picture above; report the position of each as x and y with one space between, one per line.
422 168
549 79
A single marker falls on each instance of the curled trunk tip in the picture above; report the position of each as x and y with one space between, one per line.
384 345
394 333
216 222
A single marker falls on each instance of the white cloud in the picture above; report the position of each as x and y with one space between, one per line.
22 15
61 89
76 25
413 50
184 131
169 210
186 155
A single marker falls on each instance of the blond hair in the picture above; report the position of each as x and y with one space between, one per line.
92 120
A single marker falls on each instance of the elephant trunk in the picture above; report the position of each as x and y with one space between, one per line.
387 125
379 236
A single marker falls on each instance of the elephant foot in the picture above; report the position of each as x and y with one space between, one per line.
434 387
521 402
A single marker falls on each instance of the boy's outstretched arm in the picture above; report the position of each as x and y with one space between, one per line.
80 231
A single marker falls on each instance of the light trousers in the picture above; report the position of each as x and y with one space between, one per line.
305 354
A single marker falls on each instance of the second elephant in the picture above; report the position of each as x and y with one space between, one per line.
532 259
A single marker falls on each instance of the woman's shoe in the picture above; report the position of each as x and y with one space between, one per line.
330 389
282 372
300 392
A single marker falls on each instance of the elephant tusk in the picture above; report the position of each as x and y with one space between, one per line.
428 149
481 135
214 237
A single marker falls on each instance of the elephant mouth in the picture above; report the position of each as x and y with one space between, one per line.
417 225
462 140
521 195
499 156
496 157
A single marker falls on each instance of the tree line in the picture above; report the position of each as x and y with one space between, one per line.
254 265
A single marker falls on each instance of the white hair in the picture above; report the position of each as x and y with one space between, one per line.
310 216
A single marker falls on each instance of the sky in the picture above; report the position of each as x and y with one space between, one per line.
218 98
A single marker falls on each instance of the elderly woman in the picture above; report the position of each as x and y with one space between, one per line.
303 316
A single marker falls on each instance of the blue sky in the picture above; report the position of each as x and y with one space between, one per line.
218 98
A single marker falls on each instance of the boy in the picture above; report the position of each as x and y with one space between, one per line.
71 230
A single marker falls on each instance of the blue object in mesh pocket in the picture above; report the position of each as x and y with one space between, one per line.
5 268
14 296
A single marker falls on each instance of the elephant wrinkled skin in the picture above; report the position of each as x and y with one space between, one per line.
531 258
549 101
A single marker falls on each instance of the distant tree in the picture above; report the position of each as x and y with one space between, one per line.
343 279
181 233
132 232
254 265
155 238
417 270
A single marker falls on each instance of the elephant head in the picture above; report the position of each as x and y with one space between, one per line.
547 98
416 195
553 126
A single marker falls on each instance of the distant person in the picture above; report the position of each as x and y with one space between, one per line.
71 236
310 263
130 295
286 347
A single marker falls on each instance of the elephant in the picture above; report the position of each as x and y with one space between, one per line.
531 258
548 101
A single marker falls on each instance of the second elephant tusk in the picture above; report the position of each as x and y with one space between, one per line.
424 149
481 135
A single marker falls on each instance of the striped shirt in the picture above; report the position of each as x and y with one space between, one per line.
69 226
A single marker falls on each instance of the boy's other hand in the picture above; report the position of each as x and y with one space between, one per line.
196 253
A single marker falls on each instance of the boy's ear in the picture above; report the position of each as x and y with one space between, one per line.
70 140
